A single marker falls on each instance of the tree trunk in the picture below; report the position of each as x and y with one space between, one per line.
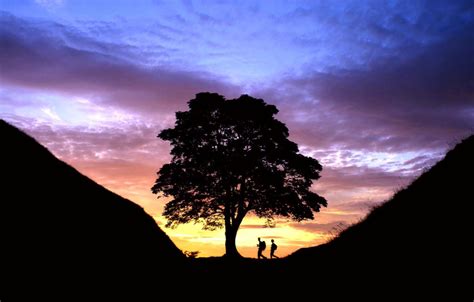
232 225
230 247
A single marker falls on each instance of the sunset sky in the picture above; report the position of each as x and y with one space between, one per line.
377 91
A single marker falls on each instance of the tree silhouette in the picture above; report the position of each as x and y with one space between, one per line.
232 157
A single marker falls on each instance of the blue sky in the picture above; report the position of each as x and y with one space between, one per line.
249 42
375 90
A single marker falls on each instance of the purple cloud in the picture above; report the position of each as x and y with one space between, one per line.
37 58
413 101
325 228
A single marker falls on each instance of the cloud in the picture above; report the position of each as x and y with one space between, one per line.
50 4
416 100
325 228
347 177
252 226
36 57
120 150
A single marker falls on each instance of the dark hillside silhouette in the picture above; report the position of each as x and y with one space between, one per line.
417 244
422 237
59 229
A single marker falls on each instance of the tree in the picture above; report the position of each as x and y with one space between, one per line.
232 157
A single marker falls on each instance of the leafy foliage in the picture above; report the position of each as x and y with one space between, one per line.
231 157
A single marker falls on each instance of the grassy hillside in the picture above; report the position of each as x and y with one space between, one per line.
59 228
417 244
422 235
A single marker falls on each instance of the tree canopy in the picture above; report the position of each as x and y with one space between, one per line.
232 157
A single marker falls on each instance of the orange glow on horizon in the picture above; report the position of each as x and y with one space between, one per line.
134 184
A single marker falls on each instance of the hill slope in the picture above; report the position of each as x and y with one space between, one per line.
419 243
58 226
422 234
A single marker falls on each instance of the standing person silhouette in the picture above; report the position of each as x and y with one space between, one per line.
261 247
273 249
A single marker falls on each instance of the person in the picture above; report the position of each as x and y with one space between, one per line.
261 247
273 249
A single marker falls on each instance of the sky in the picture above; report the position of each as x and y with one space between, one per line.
377 91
